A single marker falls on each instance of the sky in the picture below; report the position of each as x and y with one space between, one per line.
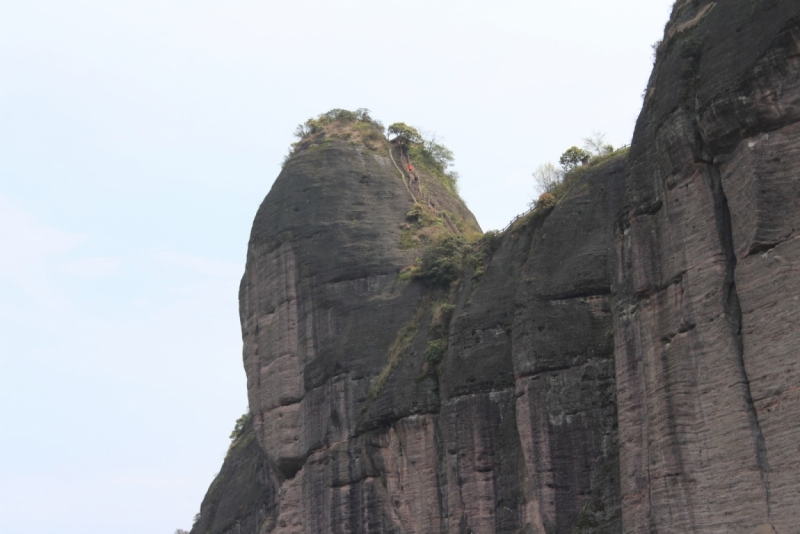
137 140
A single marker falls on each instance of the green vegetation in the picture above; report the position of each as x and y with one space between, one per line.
448 258
404 134
572 177
425 152
354 126
480 254
422 226
238 428
436 159
573 157
550 196
440 320
546 201
400 345
435 352
313 126
438 333
443 262
552 183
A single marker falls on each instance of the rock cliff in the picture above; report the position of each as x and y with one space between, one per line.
706 314
623 361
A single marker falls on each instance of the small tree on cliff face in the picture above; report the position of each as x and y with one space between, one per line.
238 428
573 157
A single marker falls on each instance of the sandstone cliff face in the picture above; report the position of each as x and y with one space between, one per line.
358 431
622 362
706 316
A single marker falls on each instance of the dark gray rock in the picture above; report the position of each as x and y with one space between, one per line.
244 495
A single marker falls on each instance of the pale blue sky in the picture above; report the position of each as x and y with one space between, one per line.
137 140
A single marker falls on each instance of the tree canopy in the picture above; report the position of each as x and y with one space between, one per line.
597 143
312 125
404 133
573 157
547 177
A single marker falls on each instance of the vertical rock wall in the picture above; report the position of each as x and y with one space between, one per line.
705 316
623 362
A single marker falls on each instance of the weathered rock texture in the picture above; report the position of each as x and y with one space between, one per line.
625 361
706 316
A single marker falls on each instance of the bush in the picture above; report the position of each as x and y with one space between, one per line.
546 201
446 312
420 215
435 351
312 125
443 262
238 428
370 129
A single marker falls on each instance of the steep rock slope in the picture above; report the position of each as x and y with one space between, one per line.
706 315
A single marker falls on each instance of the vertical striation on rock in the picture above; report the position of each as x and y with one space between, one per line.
361 428
712 188
623 361
563 360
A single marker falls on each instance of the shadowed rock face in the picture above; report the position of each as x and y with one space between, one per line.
622 362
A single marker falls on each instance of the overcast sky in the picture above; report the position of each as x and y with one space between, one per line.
137 140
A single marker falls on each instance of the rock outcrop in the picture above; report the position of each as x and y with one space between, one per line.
623 361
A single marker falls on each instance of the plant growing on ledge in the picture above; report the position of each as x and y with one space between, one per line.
435 352
338 123
238 428
312 125
443 262
546 201
404 134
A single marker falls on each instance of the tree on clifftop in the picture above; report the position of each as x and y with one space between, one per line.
546 178
573 157
597 143
405 134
